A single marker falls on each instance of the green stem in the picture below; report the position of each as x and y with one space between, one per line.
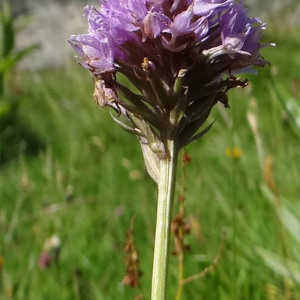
166 187
180 276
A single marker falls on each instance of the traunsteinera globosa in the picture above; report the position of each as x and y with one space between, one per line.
181 56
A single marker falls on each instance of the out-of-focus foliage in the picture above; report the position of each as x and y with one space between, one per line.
287 264
289 103
89 180
13 131
9 57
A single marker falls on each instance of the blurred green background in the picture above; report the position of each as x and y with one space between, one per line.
68 171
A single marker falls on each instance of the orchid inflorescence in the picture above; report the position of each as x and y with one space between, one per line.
181 57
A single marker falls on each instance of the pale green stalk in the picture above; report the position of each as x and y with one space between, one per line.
166 187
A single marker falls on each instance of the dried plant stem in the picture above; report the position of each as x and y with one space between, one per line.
166 187
180 273
210 267
181 233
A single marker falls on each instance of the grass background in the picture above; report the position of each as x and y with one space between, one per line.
82 178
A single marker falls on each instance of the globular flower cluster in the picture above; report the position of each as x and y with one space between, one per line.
180 57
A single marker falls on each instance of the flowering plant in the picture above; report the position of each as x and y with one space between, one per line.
181 57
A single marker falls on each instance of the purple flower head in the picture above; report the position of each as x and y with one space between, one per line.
179 54
215 26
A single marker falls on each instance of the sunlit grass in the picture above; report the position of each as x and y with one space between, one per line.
89 180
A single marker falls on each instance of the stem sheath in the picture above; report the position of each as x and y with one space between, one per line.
166 188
